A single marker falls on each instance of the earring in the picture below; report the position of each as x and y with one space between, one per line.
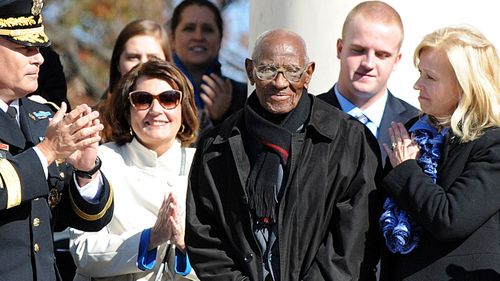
131 132
182 129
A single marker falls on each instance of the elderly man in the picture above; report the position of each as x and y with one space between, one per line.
38 190
280 190
369 51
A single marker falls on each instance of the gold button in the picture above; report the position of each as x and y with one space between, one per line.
36 247
36 222
61 174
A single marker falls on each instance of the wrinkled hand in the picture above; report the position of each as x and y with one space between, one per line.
168 225
217 95
403 147
73 136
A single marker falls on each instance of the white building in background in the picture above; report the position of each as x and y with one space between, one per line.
319 22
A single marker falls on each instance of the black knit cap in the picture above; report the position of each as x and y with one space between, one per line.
21 22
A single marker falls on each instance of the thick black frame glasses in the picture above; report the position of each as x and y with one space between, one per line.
142 100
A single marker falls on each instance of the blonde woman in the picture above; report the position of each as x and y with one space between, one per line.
446 166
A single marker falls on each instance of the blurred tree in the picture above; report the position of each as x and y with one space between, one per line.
84 31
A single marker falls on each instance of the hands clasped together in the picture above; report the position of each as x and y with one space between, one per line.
73 137
168 226
403 147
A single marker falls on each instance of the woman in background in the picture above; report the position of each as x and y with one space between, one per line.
196 33
443 185
147 162
139 41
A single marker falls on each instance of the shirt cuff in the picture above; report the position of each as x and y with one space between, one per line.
43 161
146 259
181 263
92 190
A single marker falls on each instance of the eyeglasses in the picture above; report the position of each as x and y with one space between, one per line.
142 100
269 72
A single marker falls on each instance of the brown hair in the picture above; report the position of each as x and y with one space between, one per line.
119 113
134 28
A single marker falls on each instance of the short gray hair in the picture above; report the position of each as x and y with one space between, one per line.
257 50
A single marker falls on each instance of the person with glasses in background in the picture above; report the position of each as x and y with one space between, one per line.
280 190
148 161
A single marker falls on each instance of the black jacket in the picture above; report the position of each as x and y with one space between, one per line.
26 220
460 214
323 214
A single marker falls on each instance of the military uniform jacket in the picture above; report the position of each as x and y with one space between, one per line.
323 214
26 219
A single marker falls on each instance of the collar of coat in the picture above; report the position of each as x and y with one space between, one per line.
323 123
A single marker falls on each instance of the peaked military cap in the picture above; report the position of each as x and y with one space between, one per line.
21 22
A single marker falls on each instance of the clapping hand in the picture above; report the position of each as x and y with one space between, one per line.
73 136
217 95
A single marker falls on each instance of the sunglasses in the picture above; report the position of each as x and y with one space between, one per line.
142 100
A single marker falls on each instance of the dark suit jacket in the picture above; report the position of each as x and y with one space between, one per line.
26 219
460 214
395 110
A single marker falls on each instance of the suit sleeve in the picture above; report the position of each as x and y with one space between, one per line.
76 212
207 245
22 179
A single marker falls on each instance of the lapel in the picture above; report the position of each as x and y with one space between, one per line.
331 98
33 126
10 132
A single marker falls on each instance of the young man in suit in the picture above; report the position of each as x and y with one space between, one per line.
369 52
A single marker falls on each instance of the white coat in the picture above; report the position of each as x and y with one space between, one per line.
140 181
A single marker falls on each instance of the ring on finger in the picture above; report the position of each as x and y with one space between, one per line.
394 145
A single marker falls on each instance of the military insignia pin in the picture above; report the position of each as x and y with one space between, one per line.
38 115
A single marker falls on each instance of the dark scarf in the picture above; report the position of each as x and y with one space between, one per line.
263 182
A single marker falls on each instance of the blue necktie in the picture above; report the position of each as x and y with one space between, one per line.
368 123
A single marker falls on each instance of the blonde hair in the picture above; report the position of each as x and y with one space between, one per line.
375 12
476 66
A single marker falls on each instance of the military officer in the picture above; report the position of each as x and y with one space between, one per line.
49 170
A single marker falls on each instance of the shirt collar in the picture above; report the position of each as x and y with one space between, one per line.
14 103
374 112
144 157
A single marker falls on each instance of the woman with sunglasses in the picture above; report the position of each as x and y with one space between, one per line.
139 41
154 119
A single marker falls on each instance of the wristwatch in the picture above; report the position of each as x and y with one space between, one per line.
91 172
